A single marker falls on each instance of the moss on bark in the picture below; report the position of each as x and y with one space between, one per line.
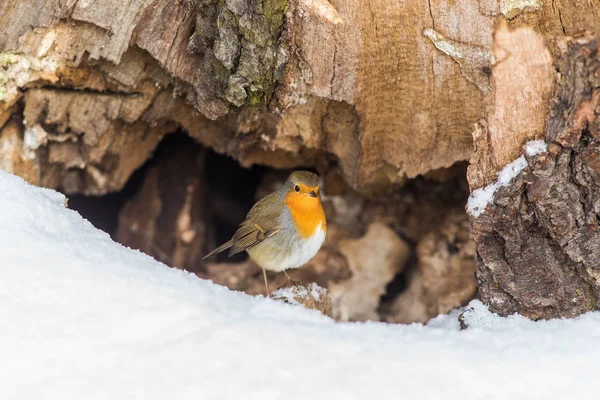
242 38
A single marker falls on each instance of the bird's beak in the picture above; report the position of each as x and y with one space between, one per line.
312 193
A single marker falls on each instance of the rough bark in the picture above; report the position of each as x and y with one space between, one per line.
538 242
386 90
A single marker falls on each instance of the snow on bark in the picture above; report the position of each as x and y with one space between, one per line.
480 198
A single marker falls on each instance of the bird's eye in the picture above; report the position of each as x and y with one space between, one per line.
297 188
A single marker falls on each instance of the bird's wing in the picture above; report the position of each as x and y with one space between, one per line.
219 249
261 223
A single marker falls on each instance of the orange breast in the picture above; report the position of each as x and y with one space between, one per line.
307 213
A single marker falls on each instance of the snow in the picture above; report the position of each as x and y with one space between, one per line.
292 293
86 318
535 147
480 198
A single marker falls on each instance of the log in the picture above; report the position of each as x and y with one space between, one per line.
383 91
538 235
371 94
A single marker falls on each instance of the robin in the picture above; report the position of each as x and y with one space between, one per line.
284 229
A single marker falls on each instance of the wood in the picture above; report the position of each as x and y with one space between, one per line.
387 91
374 259
310 296
444 277
167 218
538 242
522 78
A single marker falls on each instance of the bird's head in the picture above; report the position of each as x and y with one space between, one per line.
301 196
302 189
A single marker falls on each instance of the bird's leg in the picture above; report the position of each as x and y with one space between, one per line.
266 282
287 276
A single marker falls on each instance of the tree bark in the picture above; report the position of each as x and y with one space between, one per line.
383 91
538 240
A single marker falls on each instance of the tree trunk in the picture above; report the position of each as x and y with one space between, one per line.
538 238
387 100
387 91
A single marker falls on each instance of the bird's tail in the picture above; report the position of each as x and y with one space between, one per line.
219 249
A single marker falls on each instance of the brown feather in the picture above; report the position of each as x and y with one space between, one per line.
260 224
219 249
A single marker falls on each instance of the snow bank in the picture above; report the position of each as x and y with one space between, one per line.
480 198
85 318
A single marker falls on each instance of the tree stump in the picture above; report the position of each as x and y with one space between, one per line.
538 240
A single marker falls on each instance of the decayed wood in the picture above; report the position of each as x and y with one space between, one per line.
398 82
387 90
374 259
538 242
167 218
522 77
88 142
15 159
310 296
445 275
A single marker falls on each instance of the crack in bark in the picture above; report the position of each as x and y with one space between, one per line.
433 56
87 90
431 14
559 14
335 49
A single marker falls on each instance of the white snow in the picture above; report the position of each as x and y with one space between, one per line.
535 147
291 294
480 198
85 318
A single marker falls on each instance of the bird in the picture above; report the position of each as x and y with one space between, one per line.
284 229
